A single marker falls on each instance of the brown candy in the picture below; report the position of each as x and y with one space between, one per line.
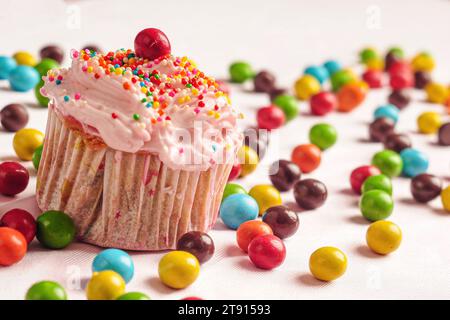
399 98
14 117
283 221
53 52
397 142
284 174
444 134
425 187
198 244
264 81
380 128
310 193
421 79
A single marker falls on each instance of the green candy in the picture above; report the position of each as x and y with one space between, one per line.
376 205
378 182
241 72
389 162
341 78
233 188
46 290
45 65
397 52
323 135
134 296
55 229
288 104
43 101
37 156
368 54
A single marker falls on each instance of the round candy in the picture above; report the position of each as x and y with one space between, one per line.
241 71
397 142
368 54
6 65
310 193
235 172
42 100
307 157
13 178
376 205
55 229
13 246
414 162
25 58
264 81
288 104
46 290
306 86
266 196
392 56
52 52
383 237
116 260
26 141
45 65
373 78
238 208
21 221
323 103
283 174
421 79
376 64
105 285
389 162
328 263
178 269
267 251
378 182
23 78
332 66
37 157
399 98
401 80
380 128
134 296
323 135
151 43
400 66
436 92
197 243
387 111
233 188
318 72
445 198
270 117
249 230
341 78
444 134
425 187
283 221
248 159
14 117
351 95
360 174
423 62
192 298
429 122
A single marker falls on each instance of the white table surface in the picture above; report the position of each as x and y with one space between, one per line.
282 36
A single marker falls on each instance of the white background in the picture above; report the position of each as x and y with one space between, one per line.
284 37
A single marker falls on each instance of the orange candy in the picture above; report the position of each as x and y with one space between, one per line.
249 230
13 246
307 157
350 96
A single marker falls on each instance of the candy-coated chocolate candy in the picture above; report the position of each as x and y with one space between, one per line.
373 78
397 142
198 243
376 205
380 128
13 178
332 66
387 111
425 187
436 92
377 182
376 64
21 221
389 162
37 157
310 193
241 71
235 172
351 95
414 162
392 56
6 65
401 80
45 65
249 230
328 263
267 251
360 174
238 208
266 196
307 157
42 100
444 134
105 285
421 79
23 78
116 260
248 159
178 269
318 72
399 98
46 290
14 117
306 86
323 135
429 122
134 296
283 174
151 43
55 229
383 237
192 298
264 81
368 54
257 140
233 188
283 221
423 62
445 198
288 104
400 66
322 103
25 58
26 141
270 117
52 52
13 246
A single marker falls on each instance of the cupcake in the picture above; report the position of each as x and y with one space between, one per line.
139 145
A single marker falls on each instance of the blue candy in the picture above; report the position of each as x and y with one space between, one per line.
237 209
318 72
6 65
387 111
115 260
414 162
332 66
23 78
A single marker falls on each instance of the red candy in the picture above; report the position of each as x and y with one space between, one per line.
307 157
235 172
360 174
151 43
13 178
267 251
249 230
323 103
13 246
400 67
21 221
401 80
270 117
373 78
192 298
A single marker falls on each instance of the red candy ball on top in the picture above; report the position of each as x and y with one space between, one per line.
21 221
399 67
270 117
13 178
235 172
373 78
360 174
323 103
401 80
151 43
267 251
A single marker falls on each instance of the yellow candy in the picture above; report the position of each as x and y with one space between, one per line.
445 198
328 263
383 237
248 158
105 285
178 269
306 86
25 58
429 122
375 64
26 141
423 62
266 196
436 92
